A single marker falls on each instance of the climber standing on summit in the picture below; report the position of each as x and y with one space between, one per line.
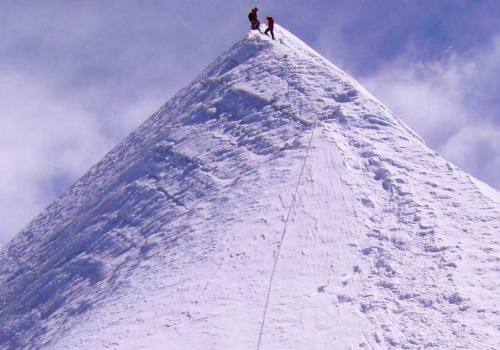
254 20
270 26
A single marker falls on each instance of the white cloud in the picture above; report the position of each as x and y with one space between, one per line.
44 139
135 114
476 147
49 140
442 101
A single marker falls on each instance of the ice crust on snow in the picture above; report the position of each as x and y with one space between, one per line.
169 241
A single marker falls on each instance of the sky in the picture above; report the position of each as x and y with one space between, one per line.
77 76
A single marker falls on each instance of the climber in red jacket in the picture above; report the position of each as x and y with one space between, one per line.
270 26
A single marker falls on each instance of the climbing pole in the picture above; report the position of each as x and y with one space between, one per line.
285 225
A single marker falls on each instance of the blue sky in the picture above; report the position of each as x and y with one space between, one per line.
76 77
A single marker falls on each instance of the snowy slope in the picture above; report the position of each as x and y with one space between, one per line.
169 242
487 190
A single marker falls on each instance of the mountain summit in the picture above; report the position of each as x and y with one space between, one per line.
273 203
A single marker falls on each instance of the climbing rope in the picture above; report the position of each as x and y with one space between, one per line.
285 226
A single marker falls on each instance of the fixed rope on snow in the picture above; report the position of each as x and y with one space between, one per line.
285 227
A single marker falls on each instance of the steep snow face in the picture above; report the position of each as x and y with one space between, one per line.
169 242
487 190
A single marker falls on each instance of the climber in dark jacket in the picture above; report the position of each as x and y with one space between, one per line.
270 26
254 20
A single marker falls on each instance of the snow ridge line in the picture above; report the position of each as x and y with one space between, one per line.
285 227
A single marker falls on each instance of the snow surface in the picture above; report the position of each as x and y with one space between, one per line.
487 190
168 242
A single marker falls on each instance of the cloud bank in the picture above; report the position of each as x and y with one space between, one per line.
448 102
57 142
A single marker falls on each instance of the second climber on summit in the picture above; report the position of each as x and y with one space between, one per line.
270 26
254 20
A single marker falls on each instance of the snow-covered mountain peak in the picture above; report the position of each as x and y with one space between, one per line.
273 162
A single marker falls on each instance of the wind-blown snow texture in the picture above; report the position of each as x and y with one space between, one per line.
169 241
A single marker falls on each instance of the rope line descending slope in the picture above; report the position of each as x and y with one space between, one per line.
285 226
